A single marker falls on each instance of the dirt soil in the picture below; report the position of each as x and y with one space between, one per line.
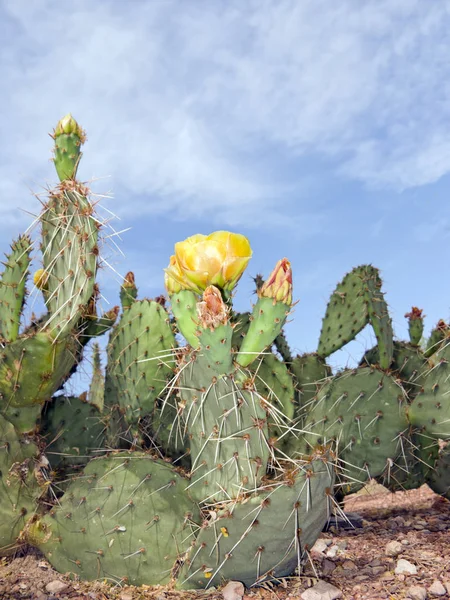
355 561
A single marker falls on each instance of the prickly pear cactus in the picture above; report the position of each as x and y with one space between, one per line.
126 519
20 489
357 301
363 413
265 535
430 409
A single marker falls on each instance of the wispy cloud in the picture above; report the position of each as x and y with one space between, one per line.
181 103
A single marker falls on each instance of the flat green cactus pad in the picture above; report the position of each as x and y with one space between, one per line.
125 519
362 412
265 535
430 409
19 488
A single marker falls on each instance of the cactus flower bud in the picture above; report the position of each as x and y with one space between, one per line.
67 125
218 259
415 325
279 283
40 279
128 290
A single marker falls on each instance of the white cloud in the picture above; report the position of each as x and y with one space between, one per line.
195 109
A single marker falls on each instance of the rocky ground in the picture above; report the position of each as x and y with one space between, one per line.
400 550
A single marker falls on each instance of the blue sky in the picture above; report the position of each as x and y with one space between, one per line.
320 130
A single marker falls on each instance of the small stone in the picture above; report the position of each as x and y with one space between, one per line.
405 542
348 565
342 545
415 592
234 590
56 586
126 596
332 552
320 546
378 570
40 595
437 589
321 591
405 567
393 548
328 566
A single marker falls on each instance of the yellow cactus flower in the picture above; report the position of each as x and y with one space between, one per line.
40 279
174 279
217 259
279 283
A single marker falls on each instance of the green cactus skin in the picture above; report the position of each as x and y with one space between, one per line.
184 309
95 327
415 325
310 372
128 291
69 137
379 318
267 321
346 313
262 536
436 339
362 412
408 362
96 395
226 424
69 251
126 519
438 478
73 430
240 323
356 301
19 488
282 345
430 409
12 288
31 369
140 360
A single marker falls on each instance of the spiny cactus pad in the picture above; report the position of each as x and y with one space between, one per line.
263 535
408 362
140 360
363 412
127 518
430 409
69 253
73 430
31 369
356 301
12 288
19 488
